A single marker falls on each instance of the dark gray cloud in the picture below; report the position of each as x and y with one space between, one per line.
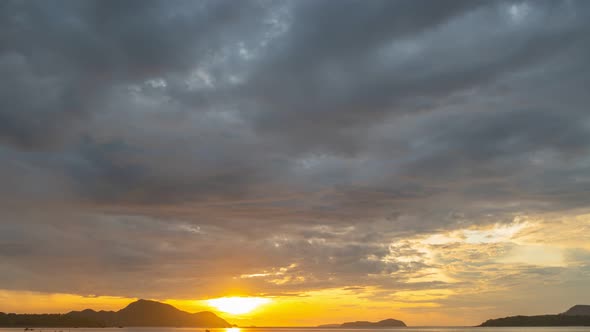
224 138
64 55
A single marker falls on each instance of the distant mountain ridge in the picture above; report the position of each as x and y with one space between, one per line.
144 313
364 324
578 310
578 315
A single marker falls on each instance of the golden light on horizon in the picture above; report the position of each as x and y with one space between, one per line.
237 305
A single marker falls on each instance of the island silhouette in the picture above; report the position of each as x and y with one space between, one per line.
578 315
364 324
141 313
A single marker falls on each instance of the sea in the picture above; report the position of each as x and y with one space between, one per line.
311 329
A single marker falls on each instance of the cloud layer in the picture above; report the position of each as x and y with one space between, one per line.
183 149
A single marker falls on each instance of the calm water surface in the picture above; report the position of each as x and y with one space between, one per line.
272 329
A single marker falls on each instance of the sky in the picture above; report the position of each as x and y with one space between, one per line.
347 160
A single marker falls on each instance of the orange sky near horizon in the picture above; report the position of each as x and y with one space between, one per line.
314 308
501 254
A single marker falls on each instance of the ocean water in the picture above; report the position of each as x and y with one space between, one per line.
300 329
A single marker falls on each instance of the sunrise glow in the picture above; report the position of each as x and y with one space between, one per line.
237 305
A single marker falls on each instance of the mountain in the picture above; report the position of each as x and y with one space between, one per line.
139 313
578 315
151 313
578 310
542 320
364 324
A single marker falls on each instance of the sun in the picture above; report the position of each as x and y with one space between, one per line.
237 305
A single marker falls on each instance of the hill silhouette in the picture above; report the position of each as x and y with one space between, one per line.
578 315
364 324
144 313
578 310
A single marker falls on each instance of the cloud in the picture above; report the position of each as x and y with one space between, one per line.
148 148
